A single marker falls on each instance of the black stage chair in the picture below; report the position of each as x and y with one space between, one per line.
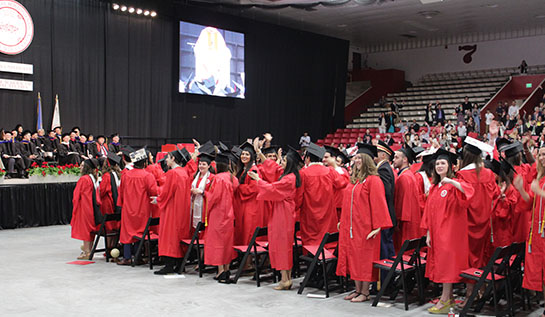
151 239
102 232
259 252
197 244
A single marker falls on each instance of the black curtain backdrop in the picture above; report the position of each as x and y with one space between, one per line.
119 73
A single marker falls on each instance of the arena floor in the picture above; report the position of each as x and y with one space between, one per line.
36 280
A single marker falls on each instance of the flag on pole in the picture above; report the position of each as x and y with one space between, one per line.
39 123
56 114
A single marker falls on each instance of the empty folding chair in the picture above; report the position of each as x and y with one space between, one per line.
194 244
321 257
149 239
259 252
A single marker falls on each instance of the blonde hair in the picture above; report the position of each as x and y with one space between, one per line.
368 167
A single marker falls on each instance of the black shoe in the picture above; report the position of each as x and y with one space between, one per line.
225 277
7 176
164 271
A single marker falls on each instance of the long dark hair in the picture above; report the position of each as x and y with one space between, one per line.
515 160
86 170
469 158
292 166
428 167
244 169
225 168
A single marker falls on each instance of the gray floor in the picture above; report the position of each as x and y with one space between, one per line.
35 280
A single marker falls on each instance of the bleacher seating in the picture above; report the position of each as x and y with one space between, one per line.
449 89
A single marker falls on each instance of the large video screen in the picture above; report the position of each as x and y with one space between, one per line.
211 61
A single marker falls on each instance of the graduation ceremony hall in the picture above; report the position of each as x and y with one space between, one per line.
272 157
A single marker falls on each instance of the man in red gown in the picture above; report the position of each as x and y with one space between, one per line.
135 194
330 160
318 213
406 201
173 203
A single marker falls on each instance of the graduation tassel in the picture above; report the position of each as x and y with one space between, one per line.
351 205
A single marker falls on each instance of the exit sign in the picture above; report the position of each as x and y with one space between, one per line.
528 85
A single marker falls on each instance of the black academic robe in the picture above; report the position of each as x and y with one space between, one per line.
114 147
388 180
50 144
12 165
27 149
65 157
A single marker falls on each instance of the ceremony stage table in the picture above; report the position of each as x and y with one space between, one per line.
25 204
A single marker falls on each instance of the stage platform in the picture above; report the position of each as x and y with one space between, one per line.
29 203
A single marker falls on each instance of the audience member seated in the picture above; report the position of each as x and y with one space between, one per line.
11 157
67 153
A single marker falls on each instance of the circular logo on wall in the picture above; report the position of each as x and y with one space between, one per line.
16 27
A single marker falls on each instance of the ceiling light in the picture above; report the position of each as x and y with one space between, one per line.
146 13
540 16
153 13
131 10
341 25
115 6
492 5
430 1
429 14
138 11
123 8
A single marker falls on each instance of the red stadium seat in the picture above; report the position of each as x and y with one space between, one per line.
168 147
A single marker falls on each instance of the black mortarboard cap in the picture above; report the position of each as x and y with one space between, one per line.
236 151
417 150
502 142
443 154
506 167
186 156
223 158
208 148
368 149
222 147
92 163
177 155
409 153
294 155
344 156
205 157
476 147
331 150
113 158
101 136
270 149
316 150
493 165
163 164
246 146
382 146
512 149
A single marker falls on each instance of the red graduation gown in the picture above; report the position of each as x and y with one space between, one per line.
521 218
173 203
220 232
407 209
318 214
249 212
107 205
369 212
478 213
83 217
338 192
270 172
137 186
281 218
421 190
445 216
534 261
502 212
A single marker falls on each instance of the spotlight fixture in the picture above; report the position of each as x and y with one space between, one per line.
131 10
115 6
146 13
153 14
138 11
123 8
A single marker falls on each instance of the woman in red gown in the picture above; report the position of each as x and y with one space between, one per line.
109 187
200 184
220 230
281 218
445 219
534 261
85 203
364 213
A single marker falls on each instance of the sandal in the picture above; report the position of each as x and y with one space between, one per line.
365 297
351 295
84 256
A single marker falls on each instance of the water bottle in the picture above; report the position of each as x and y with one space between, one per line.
451 312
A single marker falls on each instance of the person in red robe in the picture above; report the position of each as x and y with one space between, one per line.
423 178
479 210
85 203
330 160
220 229
405 201
174 205
109 191
317 208
137 189
200 185
281 220
445 219
364 214
534 261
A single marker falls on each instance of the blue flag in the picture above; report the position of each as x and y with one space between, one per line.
39 124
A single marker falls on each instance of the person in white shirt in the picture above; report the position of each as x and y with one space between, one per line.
489 117
304 141
513 110
462 130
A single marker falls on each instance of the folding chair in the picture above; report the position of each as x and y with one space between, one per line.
297 250
150 238
102 232
258 250
490 275
321 257
405 266
194 243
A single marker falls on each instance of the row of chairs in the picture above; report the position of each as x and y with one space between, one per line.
501 277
